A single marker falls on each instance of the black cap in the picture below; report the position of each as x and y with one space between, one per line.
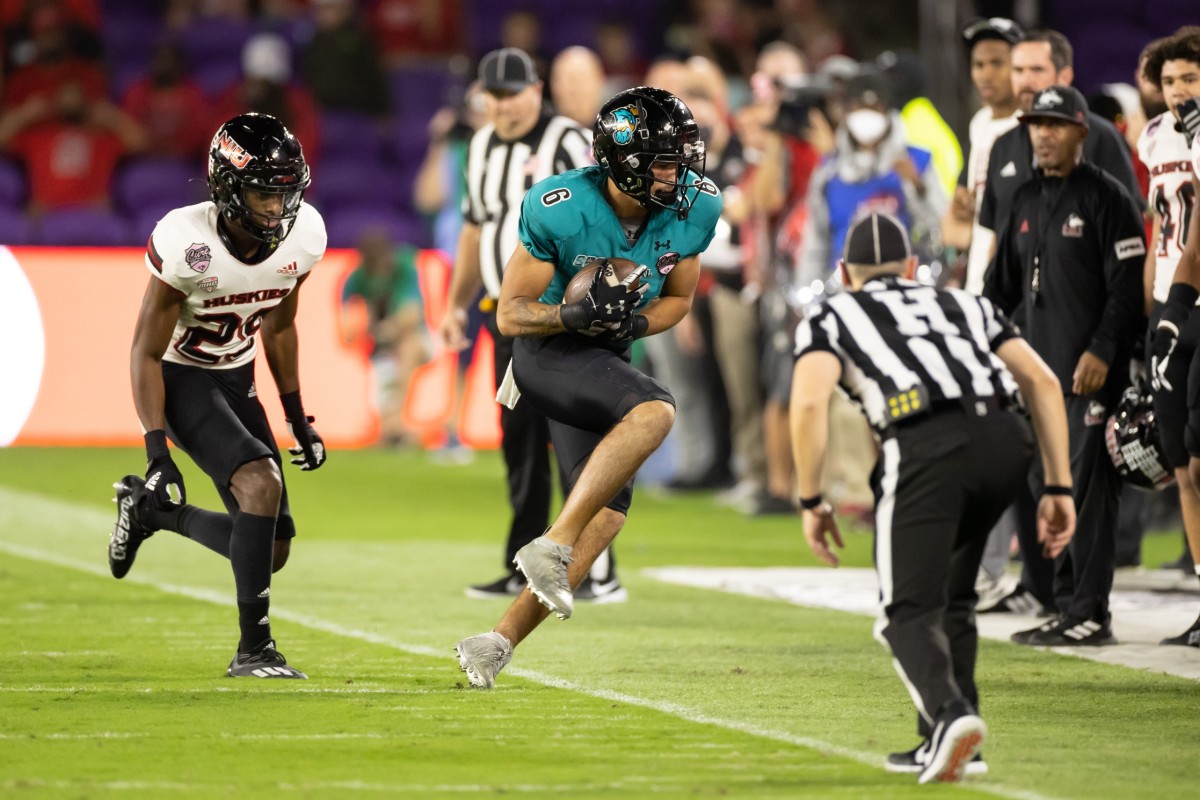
1059 102
509 69
874 239
992 28
868 87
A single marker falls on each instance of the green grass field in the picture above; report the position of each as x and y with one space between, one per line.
116 688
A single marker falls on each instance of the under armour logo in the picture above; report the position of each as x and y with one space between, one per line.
619 307
662 245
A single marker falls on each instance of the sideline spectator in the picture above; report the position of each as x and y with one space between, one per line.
342 67
166 103
265 88
57 52
577 84
70 147
383 293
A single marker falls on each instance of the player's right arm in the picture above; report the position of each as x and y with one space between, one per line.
519 312
161 306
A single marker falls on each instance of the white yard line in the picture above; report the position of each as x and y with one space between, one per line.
1141 617
96 520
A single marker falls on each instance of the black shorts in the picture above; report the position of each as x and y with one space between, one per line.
214 416
1178 409
584 390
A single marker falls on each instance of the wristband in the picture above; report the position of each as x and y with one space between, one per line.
809 503
1051 488
293 409
156 444
573 317
639 325
1183 296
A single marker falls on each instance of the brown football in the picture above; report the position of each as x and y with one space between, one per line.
577 289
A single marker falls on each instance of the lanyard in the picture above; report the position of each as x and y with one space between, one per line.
1042 228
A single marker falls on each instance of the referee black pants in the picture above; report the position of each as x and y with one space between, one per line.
941 484
525 444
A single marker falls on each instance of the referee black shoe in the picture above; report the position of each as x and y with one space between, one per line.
913 761
956 740
1189 638
510 585
129 532
1023 637
265 662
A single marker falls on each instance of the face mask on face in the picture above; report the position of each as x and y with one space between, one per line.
867 126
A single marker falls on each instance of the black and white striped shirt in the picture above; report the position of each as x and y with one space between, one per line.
498 175
896 335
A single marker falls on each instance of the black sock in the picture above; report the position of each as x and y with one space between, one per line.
209 528
251 551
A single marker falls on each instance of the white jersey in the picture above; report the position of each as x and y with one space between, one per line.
984 131
225 298
1164 151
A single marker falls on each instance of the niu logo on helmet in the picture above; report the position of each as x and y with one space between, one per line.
233 151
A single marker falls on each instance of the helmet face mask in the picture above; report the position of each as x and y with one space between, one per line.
642 129
252 157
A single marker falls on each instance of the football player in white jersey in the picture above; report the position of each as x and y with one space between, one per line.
224 274
1170 148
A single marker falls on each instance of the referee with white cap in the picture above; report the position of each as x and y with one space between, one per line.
933 370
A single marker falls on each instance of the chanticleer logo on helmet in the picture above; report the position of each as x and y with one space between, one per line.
626 122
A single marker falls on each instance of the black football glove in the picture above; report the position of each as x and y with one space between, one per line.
623 332
1175 313
164 482
309 451
607 300
1189 118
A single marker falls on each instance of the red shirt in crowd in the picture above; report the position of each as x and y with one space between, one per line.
176 118
67 164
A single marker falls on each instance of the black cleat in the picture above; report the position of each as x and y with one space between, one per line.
914 761
265 662
129 533
956 740
1189 638
1071 632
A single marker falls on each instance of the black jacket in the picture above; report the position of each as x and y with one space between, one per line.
1072 252
1010 164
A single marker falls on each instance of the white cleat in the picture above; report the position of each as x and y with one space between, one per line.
544 564
482 657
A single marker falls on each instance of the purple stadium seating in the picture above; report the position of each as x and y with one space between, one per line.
345 133
158 181
346 226
83 225
14 227
358 182
12 184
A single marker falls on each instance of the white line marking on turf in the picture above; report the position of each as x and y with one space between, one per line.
1141 617
672 709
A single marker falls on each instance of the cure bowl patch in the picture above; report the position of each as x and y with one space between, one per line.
666 262
198 257
1095 414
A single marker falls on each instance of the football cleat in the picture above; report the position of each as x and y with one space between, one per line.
510 585
129 533
544 562
914 761
601 592
482 657
265 662
1189 638
956 740
1073 632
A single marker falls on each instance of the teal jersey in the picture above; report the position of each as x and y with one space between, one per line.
566 221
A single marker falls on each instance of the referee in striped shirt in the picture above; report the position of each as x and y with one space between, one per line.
522 143
933 370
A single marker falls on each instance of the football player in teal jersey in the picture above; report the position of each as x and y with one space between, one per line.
646 200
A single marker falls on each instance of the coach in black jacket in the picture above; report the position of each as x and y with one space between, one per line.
1072 253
